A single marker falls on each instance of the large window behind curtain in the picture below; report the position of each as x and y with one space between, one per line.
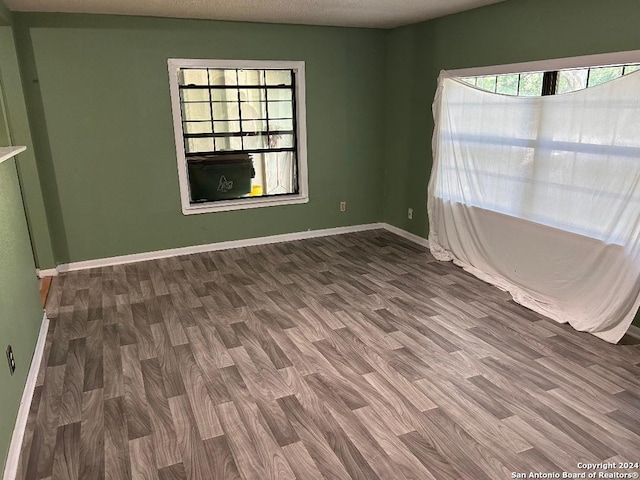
562 171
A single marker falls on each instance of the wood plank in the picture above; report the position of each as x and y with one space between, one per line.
142 456
164 435
201 404
92 435
221 459
71 401
116 440
194 456
138 422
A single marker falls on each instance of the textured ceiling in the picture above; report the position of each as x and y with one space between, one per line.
351 13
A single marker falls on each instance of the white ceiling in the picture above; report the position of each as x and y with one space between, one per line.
350 13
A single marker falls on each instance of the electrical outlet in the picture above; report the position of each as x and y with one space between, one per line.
11 360
343 206
410 214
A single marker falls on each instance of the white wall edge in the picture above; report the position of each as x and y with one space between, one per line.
634 332
210 247
409 236
48 272
13 456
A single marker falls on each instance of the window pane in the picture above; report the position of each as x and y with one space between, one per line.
196 111
252 94
196 145
222 77
278 125
279 94
223 178
530 84
254 125
196 127
601 75
256 142
631 68
572 80
280 110
228 143
278 174
275 173
487 83
226 127
224 95
194 95
193 76
226 111
250 77
508 84
281 141
253 110
278 77
469 80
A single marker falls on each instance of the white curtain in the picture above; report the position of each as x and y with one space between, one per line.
541 197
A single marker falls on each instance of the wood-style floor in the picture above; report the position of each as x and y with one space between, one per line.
355 356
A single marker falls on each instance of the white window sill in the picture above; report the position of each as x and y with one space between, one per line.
9 152
242 204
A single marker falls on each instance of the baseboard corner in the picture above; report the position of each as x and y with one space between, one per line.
408 235
634 332
46 272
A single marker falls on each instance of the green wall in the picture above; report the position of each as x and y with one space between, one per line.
5 14
5 139
20 134
20 312
98 99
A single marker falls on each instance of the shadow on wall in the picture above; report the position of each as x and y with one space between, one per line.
41 145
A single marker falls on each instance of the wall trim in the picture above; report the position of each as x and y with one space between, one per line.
13 456
48 272
408 235
9 152
210 247
634 332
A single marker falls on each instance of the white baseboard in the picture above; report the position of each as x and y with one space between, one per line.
48 272
172 252
210 247
409 236
13 456
634 332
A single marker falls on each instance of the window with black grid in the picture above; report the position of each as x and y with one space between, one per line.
247 110
240 133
